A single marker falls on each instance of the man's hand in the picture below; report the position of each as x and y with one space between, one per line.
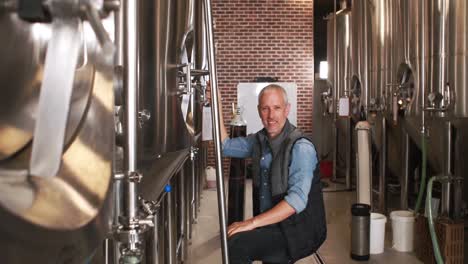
275 215
243 226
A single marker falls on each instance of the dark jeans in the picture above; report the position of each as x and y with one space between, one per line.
267 244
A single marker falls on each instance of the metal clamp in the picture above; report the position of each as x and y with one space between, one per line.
193 152
186 79
149 207
143 117
134 176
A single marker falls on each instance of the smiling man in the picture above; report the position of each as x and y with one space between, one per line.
289 216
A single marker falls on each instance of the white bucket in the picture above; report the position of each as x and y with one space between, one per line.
210 177
377 233
403 229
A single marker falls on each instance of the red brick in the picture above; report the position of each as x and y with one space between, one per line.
265 38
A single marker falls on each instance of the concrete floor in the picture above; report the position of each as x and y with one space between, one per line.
205 244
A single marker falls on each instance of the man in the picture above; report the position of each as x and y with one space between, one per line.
289 216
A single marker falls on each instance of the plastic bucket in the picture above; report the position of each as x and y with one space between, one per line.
210 177
403 229
377 233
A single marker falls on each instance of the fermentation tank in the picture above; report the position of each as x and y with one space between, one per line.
60 217
339 61
361 54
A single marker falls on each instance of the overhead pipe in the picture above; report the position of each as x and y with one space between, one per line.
216 131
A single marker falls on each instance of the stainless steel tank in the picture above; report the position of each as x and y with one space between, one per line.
361 55
165 139
379 63
458 60
342 56
63 218
159 57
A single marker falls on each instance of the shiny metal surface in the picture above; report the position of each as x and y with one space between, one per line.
458 60
339 59
69 210
342 56
200 49
131 85
54 104
159 92
361 55
21 94
159 172
405 174
216 130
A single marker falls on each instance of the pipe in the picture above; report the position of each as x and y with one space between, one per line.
156 243
435 244
335 99
446 186
193 187
182 215
405 172
216 131
130 46
348 153
422 98
364 163
118 21
383 168
442 57
423 173
171 257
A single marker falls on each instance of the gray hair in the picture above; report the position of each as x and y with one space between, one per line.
271 87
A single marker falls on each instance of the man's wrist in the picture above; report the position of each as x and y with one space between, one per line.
254 223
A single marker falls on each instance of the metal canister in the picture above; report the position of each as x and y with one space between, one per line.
360 231
237 172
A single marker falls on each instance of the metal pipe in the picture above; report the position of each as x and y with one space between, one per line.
188 202
442 53
383 168
156 246
446 185
216 131
170 239
182 215
349 134
422 68
193 197
107 252
405 172
335 97
130 59
365 73
118 34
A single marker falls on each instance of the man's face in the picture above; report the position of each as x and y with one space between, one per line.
273 111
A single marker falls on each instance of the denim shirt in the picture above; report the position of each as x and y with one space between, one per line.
301 170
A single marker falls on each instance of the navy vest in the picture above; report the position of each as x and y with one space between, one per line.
305 232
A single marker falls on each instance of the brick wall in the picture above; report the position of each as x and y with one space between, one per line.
265 38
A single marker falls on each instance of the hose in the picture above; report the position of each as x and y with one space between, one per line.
423 173
130 259
435 244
